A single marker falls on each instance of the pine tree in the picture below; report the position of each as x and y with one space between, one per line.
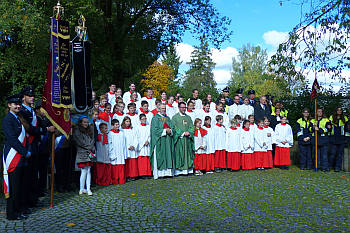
200 75
172 59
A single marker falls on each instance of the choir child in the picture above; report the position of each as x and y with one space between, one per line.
119 114
133 99
155 111
134 117
191 110
251 119
144 110
117 153
170 109
270 140
210 143
220 112
200 146
220 144
233 146
103 164
164 97
149 98
202 113
284 140
260 146
131 164
247 147
106 116
238 119
143 132
103 101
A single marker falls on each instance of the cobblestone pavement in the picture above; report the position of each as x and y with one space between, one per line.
246 201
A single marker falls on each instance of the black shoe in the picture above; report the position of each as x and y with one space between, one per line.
217 170
336 170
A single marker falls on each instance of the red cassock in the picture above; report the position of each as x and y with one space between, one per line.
103 173
248 161
131 167
234 160
118 174
282 156
144 166
220 159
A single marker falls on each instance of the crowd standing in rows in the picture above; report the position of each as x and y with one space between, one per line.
132 137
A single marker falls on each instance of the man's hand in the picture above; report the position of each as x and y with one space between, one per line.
187 133
168 131
51 129
269 134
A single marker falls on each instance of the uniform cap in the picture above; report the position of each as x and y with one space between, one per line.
250 92
28 91
16 98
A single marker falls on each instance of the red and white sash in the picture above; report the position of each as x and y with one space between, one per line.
11 162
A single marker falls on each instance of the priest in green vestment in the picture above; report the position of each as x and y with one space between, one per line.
183 141
162 147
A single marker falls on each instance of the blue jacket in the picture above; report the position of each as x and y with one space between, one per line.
12 129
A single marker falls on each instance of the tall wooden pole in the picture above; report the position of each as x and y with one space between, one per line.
316 132
52 167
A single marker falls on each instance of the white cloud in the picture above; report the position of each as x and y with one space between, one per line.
274 38
184 51
223 57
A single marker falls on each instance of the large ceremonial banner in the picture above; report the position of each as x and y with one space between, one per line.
81 78
57 89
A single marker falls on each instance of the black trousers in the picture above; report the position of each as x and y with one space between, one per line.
14 202
43 164
62 165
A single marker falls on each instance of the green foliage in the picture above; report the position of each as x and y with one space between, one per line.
200 75
173 60
249 71
319 41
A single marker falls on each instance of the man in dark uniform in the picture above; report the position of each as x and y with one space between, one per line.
34 137
15 154
239 92
44 154
226 93
252 100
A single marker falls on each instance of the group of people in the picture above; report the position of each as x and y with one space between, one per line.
126 137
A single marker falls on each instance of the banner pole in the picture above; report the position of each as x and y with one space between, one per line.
52 167
316 132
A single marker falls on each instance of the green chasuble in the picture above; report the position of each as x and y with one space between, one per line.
163 145
184 146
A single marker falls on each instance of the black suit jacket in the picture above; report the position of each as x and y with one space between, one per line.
260 113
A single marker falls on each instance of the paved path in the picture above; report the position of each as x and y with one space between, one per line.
246 201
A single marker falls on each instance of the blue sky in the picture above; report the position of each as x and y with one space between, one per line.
258 22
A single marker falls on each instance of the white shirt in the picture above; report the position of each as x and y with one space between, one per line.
135 120
247 141
138 104
216 113
170 110
233 139
284 133
192 114
245 110
200 141
131 140
102 152
260 138
210 140
220 135
149 115
143 133
198 103
202 114
233 111
119 117
270 140
117 147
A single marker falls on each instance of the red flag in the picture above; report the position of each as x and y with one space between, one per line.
59 117
315 89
